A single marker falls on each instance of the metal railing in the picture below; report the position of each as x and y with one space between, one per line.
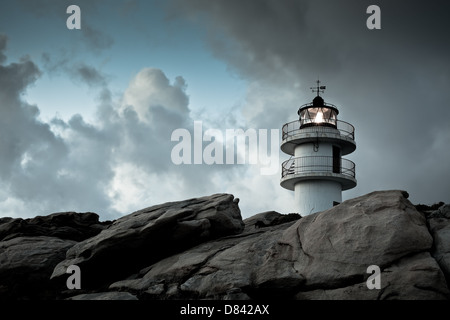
318 164
293 128
311 105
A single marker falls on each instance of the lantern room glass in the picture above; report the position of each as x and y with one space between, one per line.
316 116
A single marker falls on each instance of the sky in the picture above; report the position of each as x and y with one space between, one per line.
87 116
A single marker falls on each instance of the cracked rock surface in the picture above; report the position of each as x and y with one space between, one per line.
202 249
321 256
146 236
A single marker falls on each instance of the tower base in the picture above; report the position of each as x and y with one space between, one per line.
316 195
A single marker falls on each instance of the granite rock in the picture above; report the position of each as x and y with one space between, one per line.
202 249
146 236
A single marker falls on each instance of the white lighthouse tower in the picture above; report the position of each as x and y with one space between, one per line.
316 171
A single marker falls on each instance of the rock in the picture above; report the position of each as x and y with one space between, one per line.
146 236
201 249
262 219
426 209
439 222
64 225
321 256
441 212
31 248
222 269
331 250
334 247
270 218
104 296
26 264
415 277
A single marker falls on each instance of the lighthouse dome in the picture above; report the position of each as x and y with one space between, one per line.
318 102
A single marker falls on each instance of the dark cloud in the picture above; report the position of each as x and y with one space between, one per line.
54 66
95 38
76 165
76 71
3 40
43 8
266 37
89 75
392 84
43 170
28 148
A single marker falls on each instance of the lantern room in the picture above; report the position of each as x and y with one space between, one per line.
318 113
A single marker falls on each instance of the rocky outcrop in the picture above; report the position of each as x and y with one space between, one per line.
439 224
336 246
31 248
323 255
26 264
104 296
63 225
201 249
220 269
146 236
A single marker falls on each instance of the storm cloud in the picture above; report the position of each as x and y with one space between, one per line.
391 84
112 167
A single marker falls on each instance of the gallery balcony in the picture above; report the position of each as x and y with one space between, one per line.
318 167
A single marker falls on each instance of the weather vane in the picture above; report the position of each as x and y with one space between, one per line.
319 89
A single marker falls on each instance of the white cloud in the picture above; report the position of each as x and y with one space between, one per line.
149 89
116 165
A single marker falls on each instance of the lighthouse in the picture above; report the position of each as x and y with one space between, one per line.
316 142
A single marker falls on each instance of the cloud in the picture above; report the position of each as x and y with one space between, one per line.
93 37
28 148
114 166
139 127
96 39
42 171
151 89
122 148
78 72
3 40
391 83
89 75
18 126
